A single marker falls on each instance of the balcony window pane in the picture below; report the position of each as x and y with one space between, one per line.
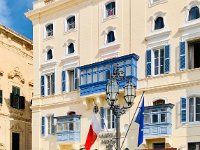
191 110
59 127
146 119
128 70
109 118
163 118
83 80
95 77
66 127
101 76
155 118
128 62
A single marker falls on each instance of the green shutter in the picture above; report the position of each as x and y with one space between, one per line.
1 96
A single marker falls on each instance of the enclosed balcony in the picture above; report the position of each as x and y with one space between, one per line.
68 129
93 77
157 121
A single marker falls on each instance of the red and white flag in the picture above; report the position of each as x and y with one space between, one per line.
93 132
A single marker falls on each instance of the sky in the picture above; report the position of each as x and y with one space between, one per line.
12 16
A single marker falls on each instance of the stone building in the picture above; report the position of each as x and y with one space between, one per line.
16 90
78 42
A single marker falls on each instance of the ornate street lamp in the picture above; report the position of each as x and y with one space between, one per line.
112 91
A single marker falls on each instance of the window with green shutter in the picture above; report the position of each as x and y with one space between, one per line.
1 96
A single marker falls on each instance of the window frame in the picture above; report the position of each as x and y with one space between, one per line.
188 110
46 84
107 37
45 30
156 29
159 59
48 123
106 11
153 19
66 24
47 54
68 53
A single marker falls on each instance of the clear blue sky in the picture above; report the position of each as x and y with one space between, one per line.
12 16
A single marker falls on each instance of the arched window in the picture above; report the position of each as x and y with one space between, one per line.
49 54
110 37
193 13
49 30
159 23
71 48
71 23
110 9
159 102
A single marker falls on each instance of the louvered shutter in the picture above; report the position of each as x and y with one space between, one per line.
76 80
52 125
53 83
102 115
148 62
183 109
43 126
182 56
1 96
167 59
63 81
42 86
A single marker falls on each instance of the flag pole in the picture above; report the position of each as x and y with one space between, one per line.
132 119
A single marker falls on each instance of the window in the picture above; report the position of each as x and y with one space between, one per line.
193 54
71 23
194 146
71 48
49 30
47 125
159 102
158 145
110 37
110 9
17 101
48 84
194 109
193 13
107 118
49 54
69 127
159 23
1 96
159 61
71 80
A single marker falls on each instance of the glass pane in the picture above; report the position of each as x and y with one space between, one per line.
95 77
155 118
109 118
191 110
163 118
89 78
128 70
101 76
146 119
71 126
128 61
83 80
59 127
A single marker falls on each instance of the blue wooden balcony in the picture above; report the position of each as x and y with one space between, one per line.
68 129
94 77
157 121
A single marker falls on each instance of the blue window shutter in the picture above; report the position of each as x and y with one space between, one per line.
102 115
76 81
148 62
183 109
182 56
167 59
52 125
53 83
42 86
43 126
63 81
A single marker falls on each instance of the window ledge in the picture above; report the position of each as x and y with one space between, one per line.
49 38
189 25
152 4
48 64
109 18
70 31
191 124
70 58
158 34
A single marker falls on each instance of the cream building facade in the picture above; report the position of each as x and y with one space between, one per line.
16 89
79 42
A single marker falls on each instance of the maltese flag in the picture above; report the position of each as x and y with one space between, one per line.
93 132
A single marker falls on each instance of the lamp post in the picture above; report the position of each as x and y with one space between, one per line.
112 92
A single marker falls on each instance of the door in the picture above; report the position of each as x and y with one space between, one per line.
15 141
